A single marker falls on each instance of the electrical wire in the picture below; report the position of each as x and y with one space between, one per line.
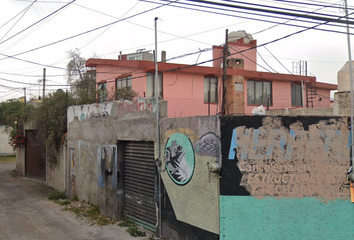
294 13
18 19
66 5
252 18
77 35
15 16
7 56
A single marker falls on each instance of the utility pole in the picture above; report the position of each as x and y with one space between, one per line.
224 77
24 94
43 83
158 129
351 85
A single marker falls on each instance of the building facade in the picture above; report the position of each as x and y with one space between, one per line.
192 90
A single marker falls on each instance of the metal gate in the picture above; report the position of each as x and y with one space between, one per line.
139 183
35 165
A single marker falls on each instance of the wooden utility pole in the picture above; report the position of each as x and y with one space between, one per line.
224 76
24 94
43 83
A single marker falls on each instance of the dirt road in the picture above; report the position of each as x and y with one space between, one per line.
26 214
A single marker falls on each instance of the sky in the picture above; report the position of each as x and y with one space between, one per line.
38 34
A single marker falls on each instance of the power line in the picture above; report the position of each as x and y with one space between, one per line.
270 7
74 36
292 14
7 56
19 19
37 22
14 16
249 18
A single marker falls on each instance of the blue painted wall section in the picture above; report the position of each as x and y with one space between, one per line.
243 217
284 178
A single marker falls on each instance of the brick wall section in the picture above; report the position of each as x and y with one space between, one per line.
235 93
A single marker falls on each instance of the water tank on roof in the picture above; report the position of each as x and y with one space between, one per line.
343 78
235 36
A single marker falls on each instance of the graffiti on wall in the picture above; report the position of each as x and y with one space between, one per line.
209 145
139 105
107 165
276 161
180 161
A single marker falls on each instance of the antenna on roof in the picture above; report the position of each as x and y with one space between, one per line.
140 50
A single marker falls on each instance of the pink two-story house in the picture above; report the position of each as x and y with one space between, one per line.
199 90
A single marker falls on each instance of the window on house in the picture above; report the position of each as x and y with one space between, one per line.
259 93
102 92
296 94
135 56
150 85
125 82
210 90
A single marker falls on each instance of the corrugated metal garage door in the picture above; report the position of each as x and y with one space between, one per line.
139 183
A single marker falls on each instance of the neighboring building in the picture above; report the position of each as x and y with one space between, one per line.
198 90
342 98
5 147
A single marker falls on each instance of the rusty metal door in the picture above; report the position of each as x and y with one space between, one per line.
140 183
35 165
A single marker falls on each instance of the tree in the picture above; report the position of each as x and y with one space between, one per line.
82 79
14 114
125 94
51 120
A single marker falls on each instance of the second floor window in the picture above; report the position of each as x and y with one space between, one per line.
259 93
125 82
210 90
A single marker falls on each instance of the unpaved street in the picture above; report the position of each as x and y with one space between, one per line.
26 213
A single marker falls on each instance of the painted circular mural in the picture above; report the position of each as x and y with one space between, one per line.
180 161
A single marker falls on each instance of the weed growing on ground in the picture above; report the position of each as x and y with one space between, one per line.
75 198
56 195
151 237
133 229
90 211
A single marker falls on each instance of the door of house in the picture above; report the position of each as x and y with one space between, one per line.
35 165
140 183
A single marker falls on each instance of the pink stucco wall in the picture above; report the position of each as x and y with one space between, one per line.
185 95
281 91
184 91
109 74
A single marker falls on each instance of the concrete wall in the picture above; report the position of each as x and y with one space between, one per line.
5 147
191 190
56 176
285 178
301 112
190 194
281 177
20 161
341 106
93 132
